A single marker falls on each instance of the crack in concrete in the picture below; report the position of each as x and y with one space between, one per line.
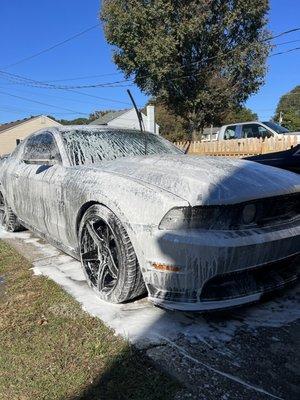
184 353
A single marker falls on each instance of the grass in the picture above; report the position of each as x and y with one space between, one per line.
51 349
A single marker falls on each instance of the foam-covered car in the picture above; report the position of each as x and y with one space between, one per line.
196 233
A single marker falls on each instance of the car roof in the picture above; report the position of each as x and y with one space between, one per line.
244 123
92 128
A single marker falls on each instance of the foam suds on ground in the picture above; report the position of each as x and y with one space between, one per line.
142 323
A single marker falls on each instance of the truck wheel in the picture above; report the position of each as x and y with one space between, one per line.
107 256
8 220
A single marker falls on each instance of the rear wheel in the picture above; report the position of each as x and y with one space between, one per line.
8 220
107 256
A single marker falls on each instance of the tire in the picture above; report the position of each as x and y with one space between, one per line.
8 220
107 256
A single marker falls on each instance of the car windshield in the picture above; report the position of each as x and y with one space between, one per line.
92 146
276 127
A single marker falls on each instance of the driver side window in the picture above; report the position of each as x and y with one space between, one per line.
41 147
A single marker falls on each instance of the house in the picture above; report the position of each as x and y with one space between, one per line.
210 134
19 130
128 119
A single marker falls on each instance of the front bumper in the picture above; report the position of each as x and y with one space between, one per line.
202 257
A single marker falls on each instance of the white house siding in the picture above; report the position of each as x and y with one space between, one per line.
129 120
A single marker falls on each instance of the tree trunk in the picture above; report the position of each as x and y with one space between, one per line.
194 135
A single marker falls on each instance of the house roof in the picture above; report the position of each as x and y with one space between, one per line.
12 124
109 116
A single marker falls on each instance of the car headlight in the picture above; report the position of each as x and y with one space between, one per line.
217 217
200 217
176 218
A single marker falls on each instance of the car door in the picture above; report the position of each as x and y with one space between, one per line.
9 179
40 174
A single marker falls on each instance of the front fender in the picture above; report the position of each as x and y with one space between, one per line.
138 206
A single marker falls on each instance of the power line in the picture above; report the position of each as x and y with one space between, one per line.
68 90
102 99
84 77
121 82
18 79
39 102
196 62
51 47
29 82
15 78
118 73
290 41
116 83
284 33
44 85
286 51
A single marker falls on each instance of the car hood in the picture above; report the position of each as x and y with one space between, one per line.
205 180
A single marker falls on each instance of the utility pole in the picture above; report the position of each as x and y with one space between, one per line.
280 117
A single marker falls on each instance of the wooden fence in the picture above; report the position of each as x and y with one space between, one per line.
240 147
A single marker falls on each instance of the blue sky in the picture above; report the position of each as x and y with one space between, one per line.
30 26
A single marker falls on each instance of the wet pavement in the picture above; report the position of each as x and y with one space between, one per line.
246 353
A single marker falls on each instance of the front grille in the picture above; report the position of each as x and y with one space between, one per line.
277 209
263 279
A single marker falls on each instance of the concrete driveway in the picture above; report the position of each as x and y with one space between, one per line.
247 353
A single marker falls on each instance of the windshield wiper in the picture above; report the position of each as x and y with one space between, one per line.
140 118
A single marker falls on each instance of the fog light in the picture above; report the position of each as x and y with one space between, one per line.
249 213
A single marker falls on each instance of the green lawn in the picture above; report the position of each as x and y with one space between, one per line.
51 349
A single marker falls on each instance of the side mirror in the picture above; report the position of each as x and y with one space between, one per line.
49 162
267 134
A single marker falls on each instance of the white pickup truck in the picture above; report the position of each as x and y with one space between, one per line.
253 129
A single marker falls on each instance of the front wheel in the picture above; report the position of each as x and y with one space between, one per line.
107 256
8 220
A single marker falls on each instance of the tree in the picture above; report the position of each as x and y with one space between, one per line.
171 126
81 120
97 114
76 121
198 57
242 114
289 107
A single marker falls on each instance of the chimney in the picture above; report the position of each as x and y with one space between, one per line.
151 126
